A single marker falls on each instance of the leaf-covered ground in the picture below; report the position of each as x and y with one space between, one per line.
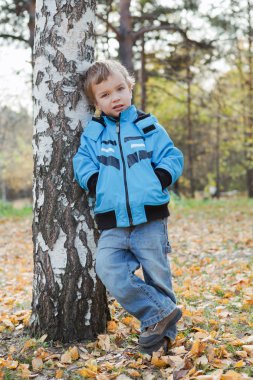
212 262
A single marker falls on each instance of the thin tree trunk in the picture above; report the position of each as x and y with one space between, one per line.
143 75
69 302
126 36
217 156
31 23
190 132
249 147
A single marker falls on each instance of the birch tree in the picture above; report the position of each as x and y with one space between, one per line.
69 302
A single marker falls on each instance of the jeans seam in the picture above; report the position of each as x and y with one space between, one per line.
142 290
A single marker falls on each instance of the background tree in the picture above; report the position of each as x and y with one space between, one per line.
236 27
15 17
69 302
15 153
166 47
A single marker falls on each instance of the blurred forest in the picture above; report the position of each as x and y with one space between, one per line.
193 64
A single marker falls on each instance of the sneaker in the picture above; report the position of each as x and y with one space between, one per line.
155 333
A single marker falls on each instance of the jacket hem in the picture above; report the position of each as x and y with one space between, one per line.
107 220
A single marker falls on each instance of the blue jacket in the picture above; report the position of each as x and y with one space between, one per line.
128 163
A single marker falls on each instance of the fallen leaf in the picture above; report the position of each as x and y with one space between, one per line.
42 338
239 364
231 375
37 364
112 326
248 349
66 358
104 342
74 353
86 372
197 348
59 374
158 362
134 373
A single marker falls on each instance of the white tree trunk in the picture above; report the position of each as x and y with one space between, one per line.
69 302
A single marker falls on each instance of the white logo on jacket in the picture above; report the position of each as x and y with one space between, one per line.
107 150
137 145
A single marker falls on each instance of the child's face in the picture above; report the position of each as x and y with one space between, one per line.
113 95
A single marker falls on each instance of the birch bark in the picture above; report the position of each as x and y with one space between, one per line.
69 302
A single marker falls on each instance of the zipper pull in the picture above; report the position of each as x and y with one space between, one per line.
117 127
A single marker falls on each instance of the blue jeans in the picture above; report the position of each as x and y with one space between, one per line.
120 252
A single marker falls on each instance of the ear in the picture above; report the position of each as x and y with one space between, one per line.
97 112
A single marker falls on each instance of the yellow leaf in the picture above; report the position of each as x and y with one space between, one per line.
37 364
59 374
249 302
10 364
66 358
131 322
134 373
239 364
74 353
178 272
231 375
236 342
112 326
158 362
92 365
28 344
187 313
197 348
86 372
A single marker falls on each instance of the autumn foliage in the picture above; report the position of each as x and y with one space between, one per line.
213 278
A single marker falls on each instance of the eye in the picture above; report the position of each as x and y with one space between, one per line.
121 88
104 95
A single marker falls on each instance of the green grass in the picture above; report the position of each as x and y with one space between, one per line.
211 207
8 211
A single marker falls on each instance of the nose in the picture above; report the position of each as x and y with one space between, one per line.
115 97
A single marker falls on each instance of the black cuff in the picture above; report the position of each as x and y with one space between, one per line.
164 177
92 183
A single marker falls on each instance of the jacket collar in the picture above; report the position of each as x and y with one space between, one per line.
129 114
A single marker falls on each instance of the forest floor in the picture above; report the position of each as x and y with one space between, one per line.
212 265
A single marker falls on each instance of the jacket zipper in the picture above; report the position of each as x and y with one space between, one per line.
124 173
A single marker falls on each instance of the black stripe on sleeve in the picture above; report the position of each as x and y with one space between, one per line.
107 142
109 161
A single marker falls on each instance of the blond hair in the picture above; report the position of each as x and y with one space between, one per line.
99 71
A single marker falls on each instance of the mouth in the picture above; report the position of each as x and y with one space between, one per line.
118 107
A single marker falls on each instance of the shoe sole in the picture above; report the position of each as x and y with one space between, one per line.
165 342
151 349
151 341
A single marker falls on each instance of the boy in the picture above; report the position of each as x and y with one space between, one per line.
127 160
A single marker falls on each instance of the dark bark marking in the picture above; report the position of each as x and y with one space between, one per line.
40 76
41 115
85 52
